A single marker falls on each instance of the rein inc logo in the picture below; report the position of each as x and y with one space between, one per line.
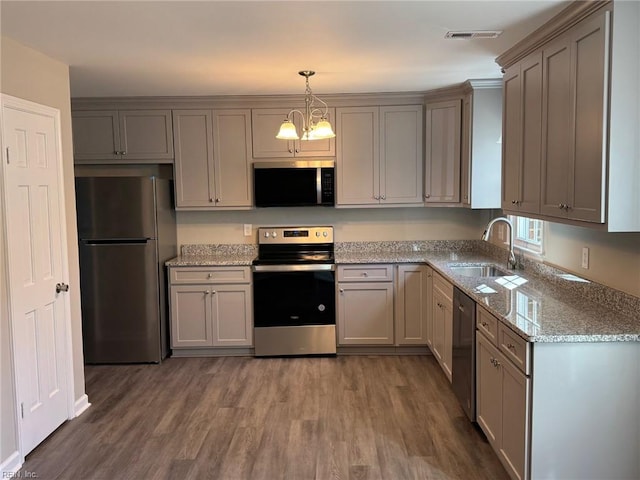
20 474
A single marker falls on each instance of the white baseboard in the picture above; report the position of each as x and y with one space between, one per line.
10 466
81 405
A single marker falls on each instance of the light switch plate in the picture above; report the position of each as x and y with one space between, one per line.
247 229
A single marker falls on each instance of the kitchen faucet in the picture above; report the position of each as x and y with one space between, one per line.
511 262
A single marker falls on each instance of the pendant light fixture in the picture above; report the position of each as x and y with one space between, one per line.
315 125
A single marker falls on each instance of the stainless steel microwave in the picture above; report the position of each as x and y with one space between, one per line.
294 184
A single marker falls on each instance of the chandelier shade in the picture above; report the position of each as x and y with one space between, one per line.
315 124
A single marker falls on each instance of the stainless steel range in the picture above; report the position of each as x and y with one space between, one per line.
294 303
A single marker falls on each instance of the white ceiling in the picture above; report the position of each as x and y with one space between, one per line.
247 48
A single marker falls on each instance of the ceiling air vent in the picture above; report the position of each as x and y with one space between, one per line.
474 34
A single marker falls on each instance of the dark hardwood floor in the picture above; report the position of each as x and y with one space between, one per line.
349 417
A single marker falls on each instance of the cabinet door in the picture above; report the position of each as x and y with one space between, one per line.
531 134
96 135
465 151
442 331
429 308
265 124
316 148
557 134
442 156
411 305
488 391
191 316
511 137
515 420
590 47
401 154
146 135
231 315
358 156
194 158
232 158
365 313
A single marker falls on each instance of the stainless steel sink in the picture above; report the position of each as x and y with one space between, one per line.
470 270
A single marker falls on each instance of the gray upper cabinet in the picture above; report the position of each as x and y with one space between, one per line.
213 159
122 136
379 155
521 142
265 124
442 155
574 99
589 105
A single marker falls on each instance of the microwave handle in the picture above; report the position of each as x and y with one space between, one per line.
319 185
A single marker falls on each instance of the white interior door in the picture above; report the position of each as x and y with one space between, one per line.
34 229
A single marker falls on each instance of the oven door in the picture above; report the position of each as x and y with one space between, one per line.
294 295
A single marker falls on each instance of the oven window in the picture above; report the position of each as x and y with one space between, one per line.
293 298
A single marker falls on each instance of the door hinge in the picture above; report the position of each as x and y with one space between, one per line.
22 409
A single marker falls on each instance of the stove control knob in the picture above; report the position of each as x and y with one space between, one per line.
317 234
267 234
324 234
274 234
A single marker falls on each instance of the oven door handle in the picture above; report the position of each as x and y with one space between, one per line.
294 268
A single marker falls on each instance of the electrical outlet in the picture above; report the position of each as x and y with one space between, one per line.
585 257
247 229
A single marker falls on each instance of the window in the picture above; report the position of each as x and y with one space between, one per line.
527 233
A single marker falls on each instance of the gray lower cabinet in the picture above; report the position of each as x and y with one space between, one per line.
411 304
546 408
211 307
502 406
213 159
442 322
122 136
365 305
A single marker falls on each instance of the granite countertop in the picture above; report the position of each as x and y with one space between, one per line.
211 260
540 304
538 309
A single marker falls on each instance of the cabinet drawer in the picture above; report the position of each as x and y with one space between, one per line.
444 286
186 275
514 347
487 324
365 273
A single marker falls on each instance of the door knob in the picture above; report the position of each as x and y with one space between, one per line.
62 287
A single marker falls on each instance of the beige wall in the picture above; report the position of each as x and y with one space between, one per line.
33 76
614 258
350 224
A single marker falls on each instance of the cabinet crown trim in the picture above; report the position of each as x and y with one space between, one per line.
563 21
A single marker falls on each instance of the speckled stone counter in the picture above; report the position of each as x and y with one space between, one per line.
539 303
214 255
541 306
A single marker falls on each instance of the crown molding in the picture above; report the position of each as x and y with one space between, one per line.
567 18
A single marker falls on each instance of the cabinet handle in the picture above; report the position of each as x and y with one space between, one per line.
290 151
376 197
428 195
484 324
511 347
211 200
461 308
567 207
297 150
383 197
213 292
365 274
206 292
209 275
217 200
342 290
561 206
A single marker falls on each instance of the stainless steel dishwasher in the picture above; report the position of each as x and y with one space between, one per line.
463 369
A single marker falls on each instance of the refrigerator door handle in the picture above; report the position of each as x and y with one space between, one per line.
124 241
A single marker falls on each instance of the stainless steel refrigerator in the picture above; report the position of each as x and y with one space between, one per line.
126 230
